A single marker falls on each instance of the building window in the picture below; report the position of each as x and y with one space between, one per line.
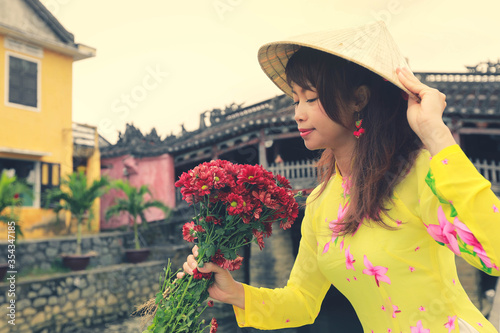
26 172
51 177
23 82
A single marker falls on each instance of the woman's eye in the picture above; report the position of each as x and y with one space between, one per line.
307 101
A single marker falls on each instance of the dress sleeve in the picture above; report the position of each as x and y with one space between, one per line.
461 211
299 302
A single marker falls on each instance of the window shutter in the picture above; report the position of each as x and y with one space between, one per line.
51 178
23 81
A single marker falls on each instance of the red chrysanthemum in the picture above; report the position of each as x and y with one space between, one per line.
198 228
187 229
214 326
220 178
213 219
218 259
259 236
252 175
236 204
266 199
283 182
233 265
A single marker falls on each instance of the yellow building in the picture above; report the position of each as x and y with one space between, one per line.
36 130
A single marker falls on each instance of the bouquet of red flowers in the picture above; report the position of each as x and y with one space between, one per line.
234 206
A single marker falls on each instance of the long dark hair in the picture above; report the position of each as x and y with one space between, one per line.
383 154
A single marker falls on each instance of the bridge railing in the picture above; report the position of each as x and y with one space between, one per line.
303 174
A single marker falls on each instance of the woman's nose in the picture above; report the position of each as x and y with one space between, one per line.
300 114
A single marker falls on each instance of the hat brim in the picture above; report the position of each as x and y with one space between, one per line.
382 58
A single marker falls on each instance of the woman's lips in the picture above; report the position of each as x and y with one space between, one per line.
305 132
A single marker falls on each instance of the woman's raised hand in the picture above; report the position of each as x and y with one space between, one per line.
224 289
426 116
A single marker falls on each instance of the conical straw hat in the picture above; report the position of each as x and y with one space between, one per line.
370 46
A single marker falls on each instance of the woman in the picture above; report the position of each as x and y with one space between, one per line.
390 215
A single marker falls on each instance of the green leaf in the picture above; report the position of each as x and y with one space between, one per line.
453 212
134 203
210 251
429 179
159 297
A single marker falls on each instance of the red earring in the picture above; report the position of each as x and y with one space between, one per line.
360 130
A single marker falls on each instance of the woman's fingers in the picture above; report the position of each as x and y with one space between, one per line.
210 267
190 264
410 81
413 84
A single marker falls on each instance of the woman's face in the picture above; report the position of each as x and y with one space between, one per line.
315 127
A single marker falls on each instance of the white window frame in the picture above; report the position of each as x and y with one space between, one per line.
9 54
37 186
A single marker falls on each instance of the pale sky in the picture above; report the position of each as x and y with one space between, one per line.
160 63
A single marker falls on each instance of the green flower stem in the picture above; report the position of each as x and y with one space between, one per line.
182 298
179 317
239 246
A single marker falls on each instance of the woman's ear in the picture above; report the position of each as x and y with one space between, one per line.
361 97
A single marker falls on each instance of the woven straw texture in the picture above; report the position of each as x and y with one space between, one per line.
370 46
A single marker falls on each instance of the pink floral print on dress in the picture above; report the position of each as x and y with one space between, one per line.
444 233
450 324
346 185
349 261
334 227
419 328
327 245
466 235
377 271
395 309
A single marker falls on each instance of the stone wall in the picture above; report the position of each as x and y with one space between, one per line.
45 253
65 302
42 254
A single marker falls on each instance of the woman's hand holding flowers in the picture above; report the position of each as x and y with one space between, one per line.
234 205
224 289
426 116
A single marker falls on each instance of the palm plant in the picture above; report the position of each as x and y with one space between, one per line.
134 205
77 197
12 193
